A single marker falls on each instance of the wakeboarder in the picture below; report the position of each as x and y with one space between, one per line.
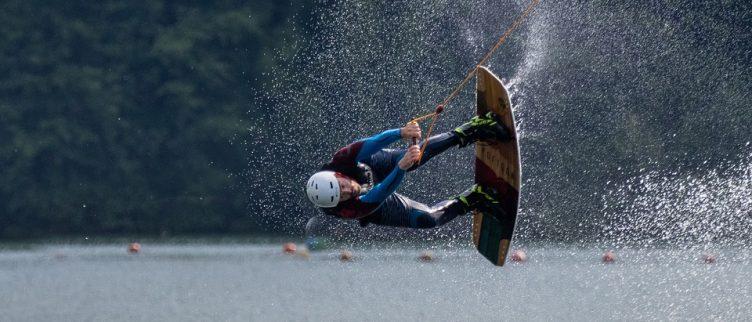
361 179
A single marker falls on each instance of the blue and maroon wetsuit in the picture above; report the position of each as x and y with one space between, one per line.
369 163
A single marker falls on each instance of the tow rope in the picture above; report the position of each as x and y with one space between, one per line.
470 74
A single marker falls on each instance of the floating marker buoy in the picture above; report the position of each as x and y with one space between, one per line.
134 248
426 256
519 256
609 257
345 256
289 248
708 258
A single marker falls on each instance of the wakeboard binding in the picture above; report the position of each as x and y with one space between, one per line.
486 127
481 198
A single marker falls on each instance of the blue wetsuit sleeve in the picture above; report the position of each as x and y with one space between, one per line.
375 143
385 188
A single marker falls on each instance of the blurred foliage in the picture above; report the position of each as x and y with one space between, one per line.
122 117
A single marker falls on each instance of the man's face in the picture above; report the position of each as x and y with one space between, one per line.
348 188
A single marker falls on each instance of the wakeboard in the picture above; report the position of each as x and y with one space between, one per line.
497 165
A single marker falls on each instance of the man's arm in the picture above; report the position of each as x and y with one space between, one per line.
360 150
385 188
384 139
375 143
390 184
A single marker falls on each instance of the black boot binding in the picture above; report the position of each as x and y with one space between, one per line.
482 128
480 198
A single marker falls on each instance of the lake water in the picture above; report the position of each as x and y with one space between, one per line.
256 282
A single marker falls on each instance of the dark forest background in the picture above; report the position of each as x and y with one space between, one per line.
135 118
125 117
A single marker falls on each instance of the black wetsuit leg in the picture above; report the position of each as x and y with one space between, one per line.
400 211
384 161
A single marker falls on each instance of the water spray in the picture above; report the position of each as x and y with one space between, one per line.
470 74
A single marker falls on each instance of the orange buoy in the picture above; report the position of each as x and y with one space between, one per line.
134 248
426 256
708 258
289 248
609 257
519 256
345 255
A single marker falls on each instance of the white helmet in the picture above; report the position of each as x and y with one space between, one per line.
323 189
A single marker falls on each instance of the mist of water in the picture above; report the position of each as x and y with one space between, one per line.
711 209
580 74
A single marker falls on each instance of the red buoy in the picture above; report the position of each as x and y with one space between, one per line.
426 256
345 256
134 248
289 248
519 256
609 257
439 109
708 258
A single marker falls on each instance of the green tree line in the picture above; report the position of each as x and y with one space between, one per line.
130 117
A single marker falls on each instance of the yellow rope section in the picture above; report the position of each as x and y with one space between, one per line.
470 75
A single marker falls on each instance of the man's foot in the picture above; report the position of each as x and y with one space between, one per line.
480 198
482 128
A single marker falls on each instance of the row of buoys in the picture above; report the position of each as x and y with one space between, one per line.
345 255
610 257
292 249
517 256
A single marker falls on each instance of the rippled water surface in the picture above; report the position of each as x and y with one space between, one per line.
241 282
